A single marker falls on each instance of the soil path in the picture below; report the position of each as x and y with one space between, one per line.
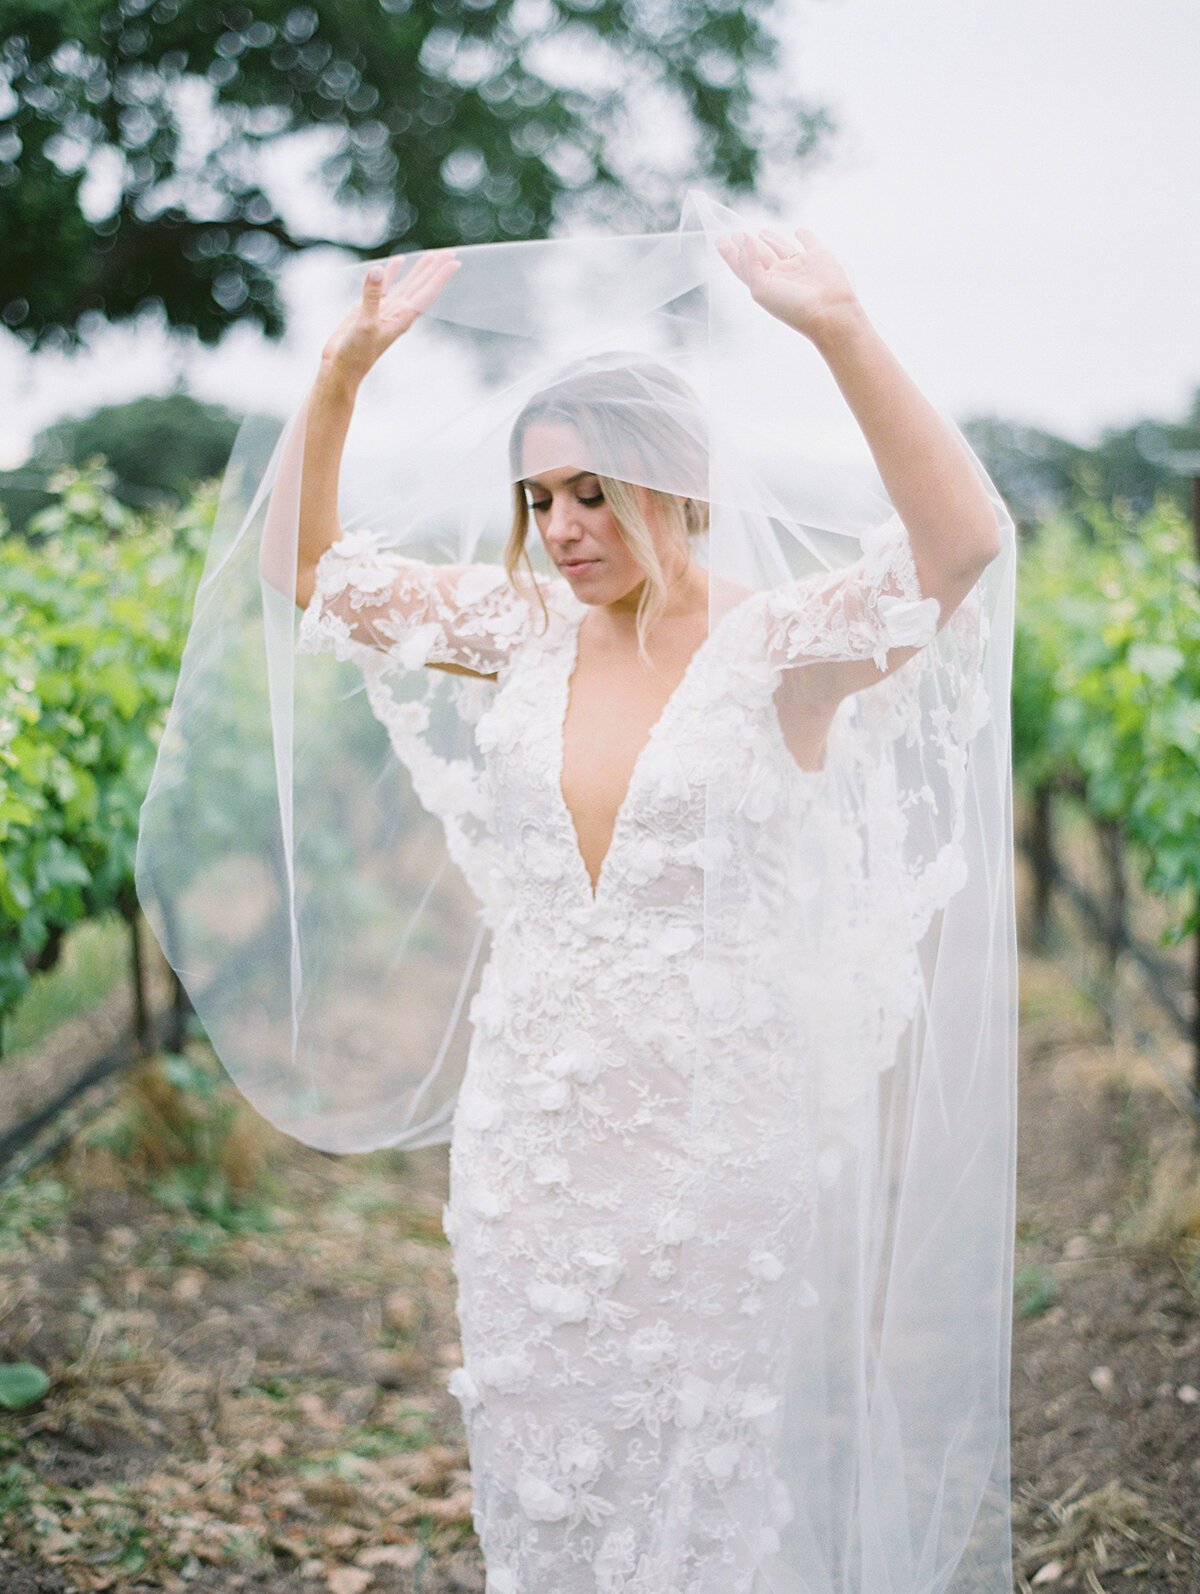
255 1399
1106 1363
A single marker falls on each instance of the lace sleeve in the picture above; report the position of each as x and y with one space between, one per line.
419 613
860 612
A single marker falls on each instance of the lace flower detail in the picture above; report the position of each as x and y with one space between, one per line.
564 1303
416 612
508 1371
541 1500
764 1265
858 612
464 1388
615 1560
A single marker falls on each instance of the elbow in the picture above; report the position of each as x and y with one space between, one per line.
980 535
981 547
990 549
988 530
270 573
266 572
306 582
301 590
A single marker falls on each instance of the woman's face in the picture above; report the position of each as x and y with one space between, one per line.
576 524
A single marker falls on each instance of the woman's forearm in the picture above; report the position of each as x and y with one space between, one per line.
305 495
329 412
302 513
926 471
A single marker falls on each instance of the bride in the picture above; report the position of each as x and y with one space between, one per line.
731 1148
621 1433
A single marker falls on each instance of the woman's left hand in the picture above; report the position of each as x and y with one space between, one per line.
800 283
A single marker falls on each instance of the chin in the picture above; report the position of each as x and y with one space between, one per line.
609 591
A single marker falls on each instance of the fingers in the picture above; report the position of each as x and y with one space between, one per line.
372 290
425 267
422 292
757 256
425 278
381 275
391 270
746 256
727 248
783 248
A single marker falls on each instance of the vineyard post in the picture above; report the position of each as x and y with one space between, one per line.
1187 463
176 1031
1041 840
1195 473
1112 851
141 1013
143 1027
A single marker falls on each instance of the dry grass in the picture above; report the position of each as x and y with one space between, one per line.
1112 1529
1165 1213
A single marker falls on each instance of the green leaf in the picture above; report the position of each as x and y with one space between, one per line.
1157 661
21 1383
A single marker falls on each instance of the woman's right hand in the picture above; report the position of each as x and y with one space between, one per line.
389 305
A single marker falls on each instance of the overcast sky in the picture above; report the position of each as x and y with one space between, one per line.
1013 191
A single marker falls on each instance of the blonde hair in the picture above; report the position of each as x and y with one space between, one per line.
629 411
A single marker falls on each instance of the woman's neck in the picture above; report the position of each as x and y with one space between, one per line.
687 595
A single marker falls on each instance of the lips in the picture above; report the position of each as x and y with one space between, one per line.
575 565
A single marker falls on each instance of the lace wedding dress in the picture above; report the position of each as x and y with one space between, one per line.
621 1371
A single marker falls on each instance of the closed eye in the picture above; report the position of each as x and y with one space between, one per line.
590 502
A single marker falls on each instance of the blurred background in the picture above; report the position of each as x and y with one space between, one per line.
222 1355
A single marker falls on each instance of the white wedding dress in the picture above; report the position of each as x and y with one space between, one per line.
623 1349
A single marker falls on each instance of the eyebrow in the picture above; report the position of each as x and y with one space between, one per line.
533 481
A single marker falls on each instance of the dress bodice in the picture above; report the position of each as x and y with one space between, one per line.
720 844
719 724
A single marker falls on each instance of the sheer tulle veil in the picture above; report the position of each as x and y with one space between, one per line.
316 859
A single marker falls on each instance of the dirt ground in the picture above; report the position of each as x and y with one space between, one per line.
248 1390
1106 1338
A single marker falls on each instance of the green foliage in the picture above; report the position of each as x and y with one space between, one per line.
90 640
31 1206
1106 684
430 122
21 1383
16 1484
1035 1290
1036 472
158 448
198 1182
1040 474
205 1192
94 960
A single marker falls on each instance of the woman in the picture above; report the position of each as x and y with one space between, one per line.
683 1143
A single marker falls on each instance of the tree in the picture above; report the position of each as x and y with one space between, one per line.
1035 472
132 177
1038 472
158 450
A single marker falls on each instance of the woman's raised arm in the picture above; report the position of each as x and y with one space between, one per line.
387 307
322 428
458 618
947 531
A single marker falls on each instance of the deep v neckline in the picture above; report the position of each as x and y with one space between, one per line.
570 657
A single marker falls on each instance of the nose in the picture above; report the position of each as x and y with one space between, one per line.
562 523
